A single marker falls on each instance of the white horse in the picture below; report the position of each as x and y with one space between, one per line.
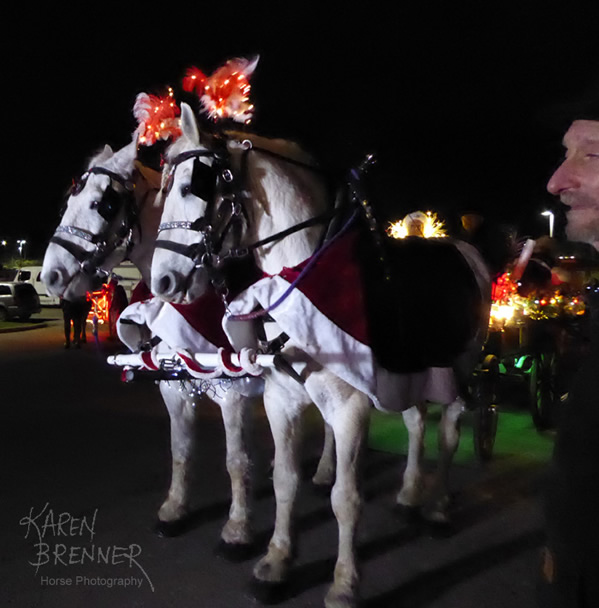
119 195
278 191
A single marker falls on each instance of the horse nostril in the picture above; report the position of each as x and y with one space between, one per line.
164 284
55 279
52 278
167 285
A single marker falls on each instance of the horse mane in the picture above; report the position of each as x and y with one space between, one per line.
284 147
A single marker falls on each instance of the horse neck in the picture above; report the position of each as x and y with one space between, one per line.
149 205
283 195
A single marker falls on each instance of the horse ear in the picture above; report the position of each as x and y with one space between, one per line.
101 156
125 158
189 124
251 66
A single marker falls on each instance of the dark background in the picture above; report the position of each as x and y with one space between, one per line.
459 104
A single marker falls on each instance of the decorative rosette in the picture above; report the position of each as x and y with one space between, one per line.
225 93
157 117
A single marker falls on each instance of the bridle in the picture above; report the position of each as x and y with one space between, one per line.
118 195
226 190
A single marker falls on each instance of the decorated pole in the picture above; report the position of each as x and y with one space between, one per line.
205 366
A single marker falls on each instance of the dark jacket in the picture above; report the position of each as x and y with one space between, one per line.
571 572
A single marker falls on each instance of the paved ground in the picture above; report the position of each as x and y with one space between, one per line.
94 453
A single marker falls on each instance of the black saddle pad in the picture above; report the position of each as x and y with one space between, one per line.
422 300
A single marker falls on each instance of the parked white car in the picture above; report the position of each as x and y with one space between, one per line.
18 300
127 274
32 275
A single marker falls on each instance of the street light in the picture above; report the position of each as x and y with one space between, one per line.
20 246
551 217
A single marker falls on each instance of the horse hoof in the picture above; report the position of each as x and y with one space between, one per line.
170 529
235 552
268 593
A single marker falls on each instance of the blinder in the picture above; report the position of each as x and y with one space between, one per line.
108 207
203 181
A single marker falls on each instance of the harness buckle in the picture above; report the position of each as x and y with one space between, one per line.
209 260
227 175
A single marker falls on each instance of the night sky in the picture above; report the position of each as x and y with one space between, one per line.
457 105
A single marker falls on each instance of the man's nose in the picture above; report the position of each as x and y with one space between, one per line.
564 178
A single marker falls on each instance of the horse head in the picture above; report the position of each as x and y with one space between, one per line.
235 194
187 247
96 229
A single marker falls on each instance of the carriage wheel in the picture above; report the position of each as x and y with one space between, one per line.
542 390
484 394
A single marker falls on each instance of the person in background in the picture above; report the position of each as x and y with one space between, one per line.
74 314
570 564
85 308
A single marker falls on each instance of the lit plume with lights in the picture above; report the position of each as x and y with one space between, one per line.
226 92
421 224
157 117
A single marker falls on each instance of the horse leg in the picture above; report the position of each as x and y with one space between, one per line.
449 437
411 494
325 472
284 403
236 413
182 417
349 418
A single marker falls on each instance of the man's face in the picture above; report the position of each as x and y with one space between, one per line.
576 181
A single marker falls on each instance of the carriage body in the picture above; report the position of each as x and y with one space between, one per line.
528 358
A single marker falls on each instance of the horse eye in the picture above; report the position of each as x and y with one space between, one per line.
94 205
185 190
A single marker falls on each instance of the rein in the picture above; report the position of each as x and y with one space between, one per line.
194 251
207 253
360 203
312 261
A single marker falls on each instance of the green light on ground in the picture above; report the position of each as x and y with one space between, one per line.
517 437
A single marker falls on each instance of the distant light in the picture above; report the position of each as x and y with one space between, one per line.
551 217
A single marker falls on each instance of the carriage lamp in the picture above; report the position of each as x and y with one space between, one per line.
429 226
551 217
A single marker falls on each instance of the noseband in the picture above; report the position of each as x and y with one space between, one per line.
109 239
214 185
